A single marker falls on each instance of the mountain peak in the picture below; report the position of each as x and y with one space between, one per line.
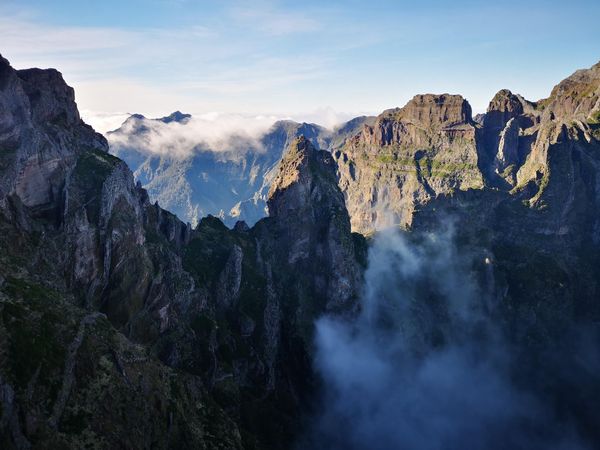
445 110
300 145
308 211
300 168
51 99
576 95
176 116
294 165
506 101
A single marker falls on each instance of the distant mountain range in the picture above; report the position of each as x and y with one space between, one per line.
389 166
232 182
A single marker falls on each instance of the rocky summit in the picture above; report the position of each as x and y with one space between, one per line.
408 156
123 327
432 147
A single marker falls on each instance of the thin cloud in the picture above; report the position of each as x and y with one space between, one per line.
260 74
24 37
209 62
328 117
277 23
285 56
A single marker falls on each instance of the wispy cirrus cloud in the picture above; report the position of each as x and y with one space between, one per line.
237 59
269 20
283 56
136 67
154 71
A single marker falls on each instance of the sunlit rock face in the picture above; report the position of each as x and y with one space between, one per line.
432 147
408 156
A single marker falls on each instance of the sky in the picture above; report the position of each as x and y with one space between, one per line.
324 61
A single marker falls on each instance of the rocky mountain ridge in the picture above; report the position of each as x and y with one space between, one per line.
391 165
406 157
433 147
205 326
231 183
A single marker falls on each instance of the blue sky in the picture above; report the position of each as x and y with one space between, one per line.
322 60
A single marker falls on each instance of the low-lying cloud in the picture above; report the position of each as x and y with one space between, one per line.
103 122
226 133
424 366
216 132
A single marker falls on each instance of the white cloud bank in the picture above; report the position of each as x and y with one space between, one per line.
218 132
103 122
215 131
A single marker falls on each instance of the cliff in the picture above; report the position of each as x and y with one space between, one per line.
112 308
432 147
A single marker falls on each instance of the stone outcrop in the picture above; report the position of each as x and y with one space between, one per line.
529 148
577 96
308 211
408 156
506 116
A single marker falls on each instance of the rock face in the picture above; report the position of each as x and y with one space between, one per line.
537 228
35 109
408 156
313 224
576 96
432 147
528 148
110 305
507 114
74 238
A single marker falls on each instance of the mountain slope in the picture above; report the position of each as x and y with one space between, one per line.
109 302
71 218
406 157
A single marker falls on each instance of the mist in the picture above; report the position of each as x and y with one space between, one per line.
103 122
221 133
226 133
425 365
